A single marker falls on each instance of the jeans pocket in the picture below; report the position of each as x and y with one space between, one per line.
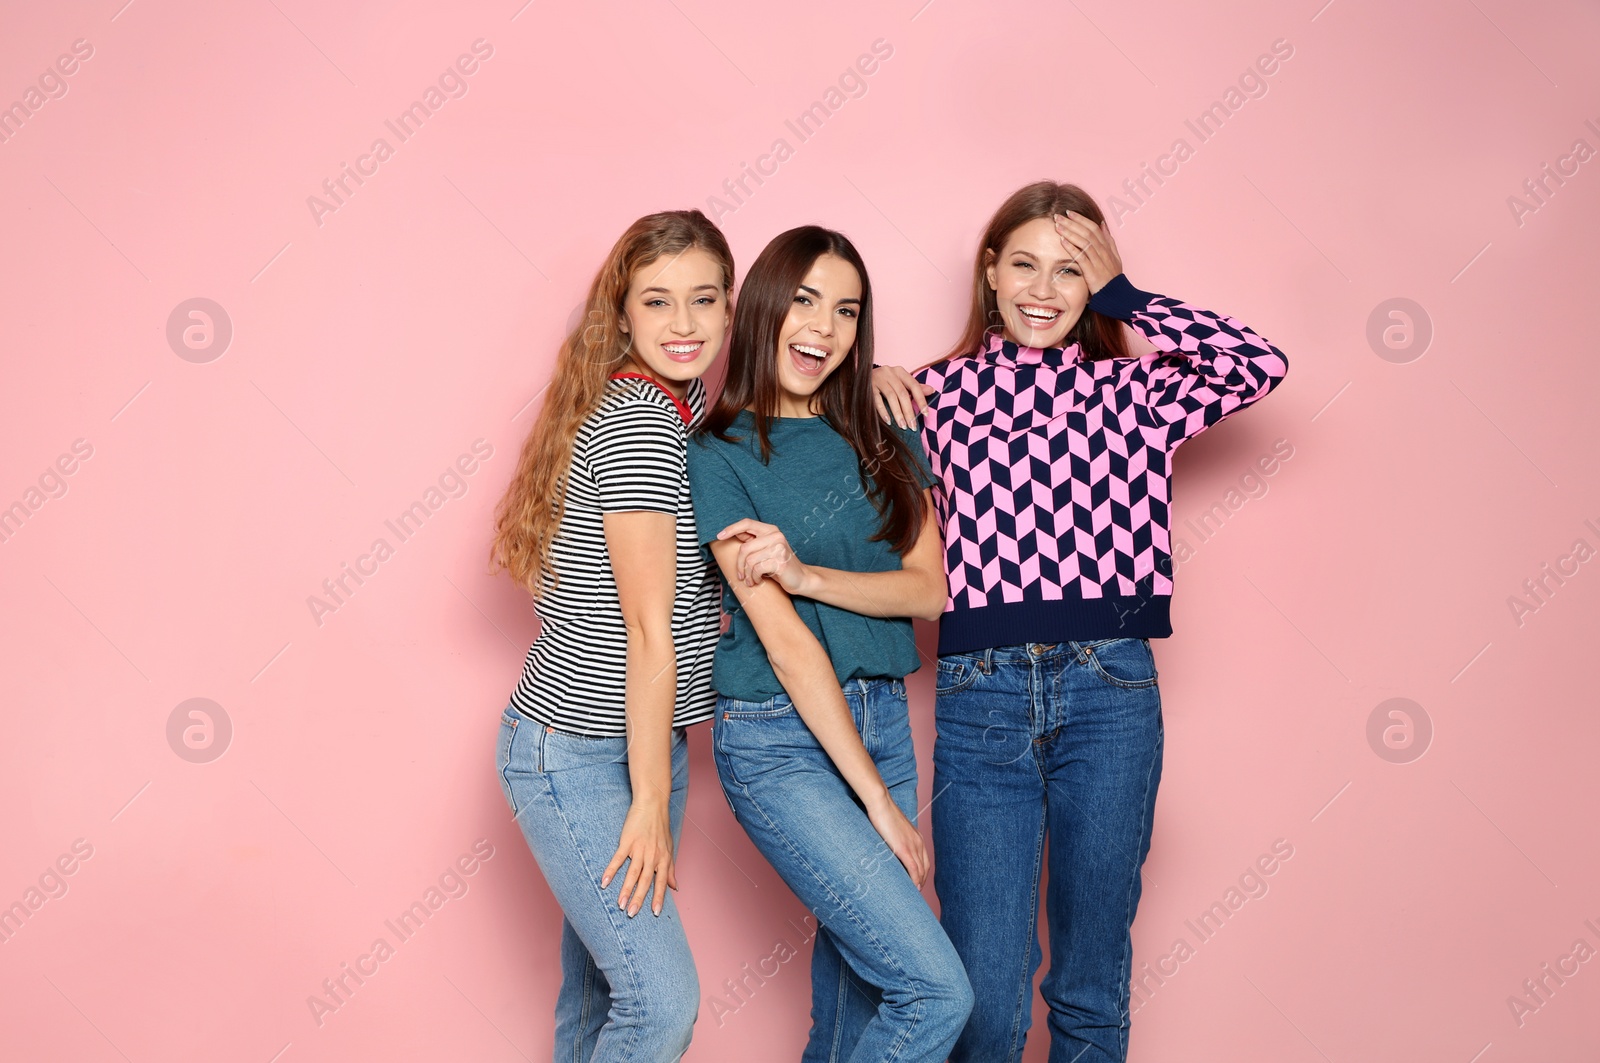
511 722
956 672
1127 662
774 707
565 751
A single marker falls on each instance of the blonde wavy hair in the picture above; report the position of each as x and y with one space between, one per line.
529 514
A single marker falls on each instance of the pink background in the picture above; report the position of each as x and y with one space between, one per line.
371 350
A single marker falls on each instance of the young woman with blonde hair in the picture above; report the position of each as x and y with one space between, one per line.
597 525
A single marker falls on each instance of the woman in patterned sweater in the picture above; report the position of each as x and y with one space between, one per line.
1053 446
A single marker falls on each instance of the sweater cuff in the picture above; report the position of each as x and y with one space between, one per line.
1119 298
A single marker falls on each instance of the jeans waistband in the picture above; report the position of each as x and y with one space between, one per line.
858 686
1028 652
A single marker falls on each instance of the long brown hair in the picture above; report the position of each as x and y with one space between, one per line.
888 468
1099 336
529 514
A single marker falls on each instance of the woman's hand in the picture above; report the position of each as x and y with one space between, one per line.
647 847
1091 247
901 837
896 392
763 551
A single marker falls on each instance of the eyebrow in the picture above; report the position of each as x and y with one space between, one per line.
697 288
813 291
1030 254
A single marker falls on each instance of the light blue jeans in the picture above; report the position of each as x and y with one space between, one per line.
629 991
886 984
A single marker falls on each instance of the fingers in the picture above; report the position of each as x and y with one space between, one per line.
1091 246
880 402
611 868
745 526
902 409
762 556
1111 241
897 395
1080 237
914 858
662 874
631 896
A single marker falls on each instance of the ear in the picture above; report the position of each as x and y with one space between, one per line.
989 273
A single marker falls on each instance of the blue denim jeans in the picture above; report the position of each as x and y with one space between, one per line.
886 983
1034 741
628 986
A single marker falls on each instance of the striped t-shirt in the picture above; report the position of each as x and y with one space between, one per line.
629 455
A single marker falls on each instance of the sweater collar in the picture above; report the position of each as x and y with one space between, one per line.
1001 351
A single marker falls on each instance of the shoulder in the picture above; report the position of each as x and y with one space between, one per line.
911 436
697 399
945 371
706 451
635 406
634 424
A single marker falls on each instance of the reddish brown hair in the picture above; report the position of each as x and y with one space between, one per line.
529 514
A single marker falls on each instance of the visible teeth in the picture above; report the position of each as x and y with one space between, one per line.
1041 314
681 348
815 352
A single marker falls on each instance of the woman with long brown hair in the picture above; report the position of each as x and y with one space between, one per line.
1053 445
820 520
597 525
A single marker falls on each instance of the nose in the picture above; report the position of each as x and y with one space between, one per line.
682 322
1041 288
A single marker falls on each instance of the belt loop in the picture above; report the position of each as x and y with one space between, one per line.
988 660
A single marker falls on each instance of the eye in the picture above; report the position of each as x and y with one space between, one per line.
655 302
1070 270
803 300
708 300
1022 265
848 311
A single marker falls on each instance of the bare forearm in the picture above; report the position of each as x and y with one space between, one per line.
901 592
651 699
808 678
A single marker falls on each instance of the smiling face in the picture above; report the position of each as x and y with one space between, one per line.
1040 291
675 315
818 332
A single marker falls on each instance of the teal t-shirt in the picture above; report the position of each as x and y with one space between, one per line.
812 491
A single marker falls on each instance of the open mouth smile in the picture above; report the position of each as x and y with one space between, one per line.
808 359
1040 317
683 352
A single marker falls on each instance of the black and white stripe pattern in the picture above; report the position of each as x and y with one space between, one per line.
629 455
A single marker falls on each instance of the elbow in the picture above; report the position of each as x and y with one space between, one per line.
1277 368
786 664
938 595
645 636
794 653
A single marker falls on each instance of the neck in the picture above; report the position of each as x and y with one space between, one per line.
791 405
1064 341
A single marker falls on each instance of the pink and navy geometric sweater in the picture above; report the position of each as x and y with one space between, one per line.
1054 471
